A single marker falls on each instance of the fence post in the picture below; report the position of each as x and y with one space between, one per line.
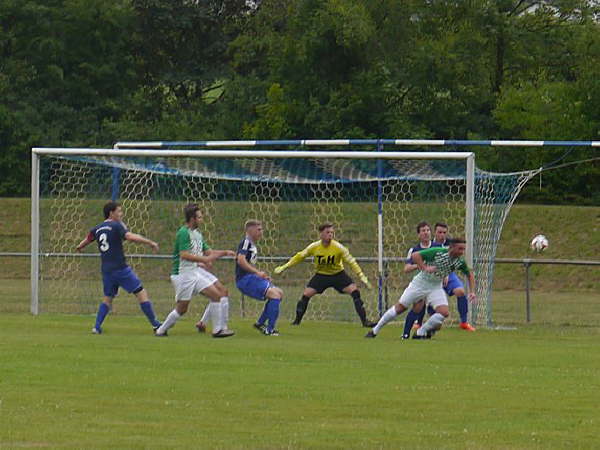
527 264
35 234
386 272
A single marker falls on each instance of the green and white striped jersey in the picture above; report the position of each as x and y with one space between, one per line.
189 240
440 258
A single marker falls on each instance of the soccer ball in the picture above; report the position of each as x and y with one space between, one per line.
539 243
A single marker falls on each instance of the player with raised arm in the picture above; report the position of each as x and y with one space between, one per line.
254 282
329 257
110 235
434 265
189 278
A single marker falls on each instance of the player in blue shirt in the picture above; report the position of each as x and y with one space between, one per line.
256 283
110 235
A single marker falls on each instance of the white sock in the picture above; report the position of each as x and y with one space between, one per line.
215 316
434 323
389 315
204 318
224 312
169 322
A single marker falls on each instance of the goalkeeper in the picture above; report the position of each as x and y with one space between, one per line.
329 256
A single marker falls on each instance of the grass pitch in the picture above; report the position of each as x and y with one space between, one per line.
321 385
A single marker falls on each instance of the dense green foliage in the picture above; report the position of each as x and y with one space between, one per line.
89 73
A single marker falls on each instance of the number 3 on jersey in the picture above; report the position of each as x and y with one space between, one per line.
103 242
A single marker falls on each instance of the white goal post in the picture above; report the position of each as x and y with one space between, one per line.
120 153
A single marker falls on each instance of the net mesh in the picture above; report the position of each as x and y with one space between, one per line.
494 195
290 196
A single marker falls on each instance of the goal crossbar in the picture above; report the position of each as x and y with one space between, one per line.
344 142
276 154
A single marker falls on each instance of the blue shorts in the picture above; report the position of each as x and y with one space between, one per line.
125 278
453 283
253 286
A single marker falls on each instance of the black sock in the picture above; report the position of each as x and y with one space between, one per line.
301 308
359 306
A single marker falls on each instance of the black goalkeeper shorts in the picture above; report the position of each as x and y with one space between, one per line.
338 281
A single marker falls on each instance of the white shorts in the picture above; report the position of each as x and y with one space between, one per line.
191 283
434 297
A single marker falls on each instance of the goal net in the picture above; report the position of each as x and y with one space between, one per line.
375 200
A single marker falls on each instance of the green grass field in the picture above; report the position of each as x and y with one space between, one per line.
321 385
556 309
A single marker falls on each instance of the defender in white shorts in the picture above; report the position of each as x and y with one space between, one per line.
435 264
414 293
189 278
188 284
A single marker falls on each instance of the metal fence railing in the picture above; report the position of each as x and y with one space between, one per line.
527 263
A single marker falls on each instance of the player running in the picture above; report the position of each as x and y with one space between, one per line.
110 235
434 264
189 278
329 257
453 286
256 283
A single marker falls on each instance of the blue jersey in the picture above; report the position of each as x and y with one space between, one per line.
418 248
250 252
110 235
439 244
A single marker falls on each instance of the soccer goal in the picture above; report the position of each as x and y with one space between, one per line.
375 197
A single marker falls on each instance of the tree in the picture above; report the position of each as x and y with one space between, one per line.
64 66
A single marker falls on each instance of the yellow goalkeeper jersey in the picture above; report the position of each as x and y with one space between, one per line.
328 260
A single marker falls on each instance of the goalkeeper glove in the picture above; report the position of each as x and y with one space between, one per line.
365 280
